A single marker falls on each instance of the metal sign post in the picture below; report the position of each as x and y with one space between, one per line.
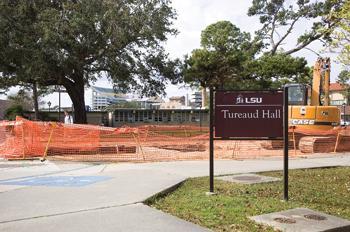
211 145
243 115
285 144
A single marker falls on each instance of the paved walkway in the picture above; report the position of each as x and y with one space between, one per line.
114 201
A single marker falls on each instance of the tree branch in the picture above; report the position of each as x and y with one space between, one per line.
310 40
48 81
98 69
274 48
273 31
303 45
273 26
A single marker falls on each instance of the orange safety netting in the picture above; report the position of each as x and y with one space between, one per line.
22 139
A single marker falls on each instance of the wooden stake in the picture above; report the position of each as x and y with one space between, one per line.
23 142
185 131
137 139
337 142
146 136
48 143
294 142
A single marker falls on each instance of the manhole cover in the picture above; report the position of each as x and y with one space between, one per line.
285 220
247 178
315 217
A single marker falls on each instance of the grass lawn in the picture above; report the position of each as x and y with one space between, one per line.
326 190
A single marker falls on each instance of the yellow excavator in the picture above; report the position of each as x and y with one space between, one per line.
310 115
314 113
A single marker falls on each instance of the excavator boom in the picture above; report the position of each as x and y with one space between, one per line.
321 82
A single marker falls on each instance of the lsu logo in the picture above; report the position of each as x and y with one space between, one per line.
248 100
240 99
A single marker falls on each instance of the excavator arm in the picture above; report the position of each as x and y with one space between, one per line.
321 82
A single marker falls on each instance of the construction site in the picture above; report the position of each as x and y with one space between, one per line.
314 127
24 139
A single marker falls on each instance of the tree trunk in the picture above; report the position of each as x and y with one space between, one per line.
204 97
76 94
35 100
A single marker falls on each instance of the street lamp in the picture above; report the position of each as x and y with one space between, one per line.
60 90
49 104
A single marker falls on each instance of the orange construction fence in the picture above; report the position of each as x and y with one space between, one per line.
23 139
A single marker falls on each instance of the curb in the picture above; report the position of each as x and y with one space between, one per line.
148 201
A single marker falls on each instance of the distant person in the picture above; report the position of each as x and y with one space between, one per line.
68 119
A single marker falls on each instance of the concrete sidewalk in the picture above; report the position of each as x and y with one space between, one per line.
114 204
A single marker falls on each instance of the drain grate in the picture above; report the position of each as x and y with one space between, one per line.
302 219
248 179
315 217
285 220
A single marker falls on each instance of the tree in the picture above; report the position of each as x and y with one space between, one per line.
273 71
223 57
73 43
23 99
279 18
20 102
344 81
13 111
341 36
16 58
228 58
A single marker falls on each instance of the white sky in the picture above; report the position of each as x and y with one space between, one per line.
193 17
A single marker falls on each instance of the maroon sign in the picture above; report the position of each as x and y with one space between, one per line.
248 114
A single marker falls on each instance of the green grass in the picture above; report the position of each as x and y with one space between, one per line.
326 190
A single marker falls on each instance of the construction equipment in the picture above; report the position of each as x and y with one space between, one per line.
314 113
311 119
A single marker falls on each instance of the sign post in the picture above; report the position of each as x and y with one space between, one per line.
285 144
249 115
211 145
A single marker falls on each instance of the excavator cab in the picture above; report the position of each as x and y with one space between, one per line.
298 94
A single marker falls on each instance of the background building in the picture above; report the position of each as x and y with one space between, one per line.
197 100
103 97
175 103
337 95
161 116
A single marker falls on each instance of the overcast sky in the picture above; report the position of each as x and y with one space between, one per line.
196 15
